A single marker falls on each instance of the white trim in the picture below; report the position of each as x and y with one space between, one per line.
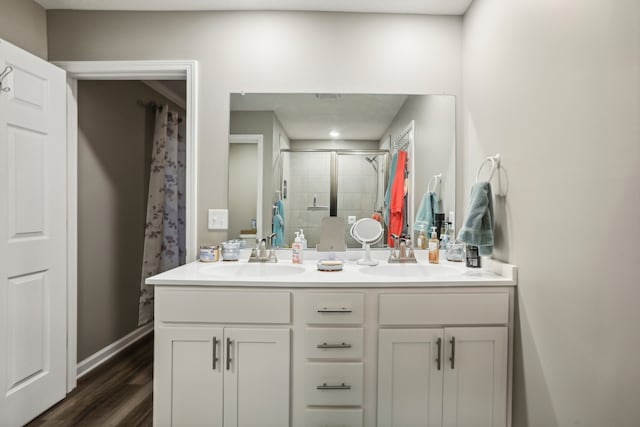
254 139
72 232
124 70
127 70
166 92
101 356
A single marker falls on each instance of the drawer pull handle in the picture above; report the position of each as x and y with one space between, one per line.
341 345
453 352
326 386
215 352
334 310
438 350
229 342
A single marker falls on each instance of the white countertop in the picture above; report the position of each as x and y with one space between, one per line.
287 275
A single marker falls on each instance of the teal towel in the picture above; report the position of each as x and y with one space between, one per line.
278 230
280 206
477 229
425 217
387 194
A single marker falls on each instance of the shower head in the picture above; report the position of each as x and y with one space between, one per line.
372 161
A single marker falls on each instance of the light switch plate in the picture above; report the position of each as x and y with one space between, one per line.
218 219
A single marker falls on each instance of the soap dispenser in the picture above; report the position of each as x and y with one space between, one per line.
421 242
297 250
434 254
302 239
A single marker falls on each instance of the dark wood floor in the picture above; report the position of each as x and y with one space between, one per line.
118 393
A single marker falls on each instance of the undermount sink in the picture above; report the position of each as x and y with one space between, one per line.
410 270
252 270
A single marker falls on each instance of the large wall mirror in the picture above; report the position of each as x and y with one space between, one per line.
297 158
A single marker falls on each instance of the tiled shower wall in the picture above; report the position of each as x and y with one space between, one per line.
357 189
309 175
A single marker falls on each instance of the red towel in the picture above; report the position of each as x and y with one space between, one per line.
396 201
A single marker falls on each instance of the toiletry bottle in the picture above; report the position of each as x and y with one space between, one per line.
296 250
444 237
421 242
473 257
304 241
433 247
439 223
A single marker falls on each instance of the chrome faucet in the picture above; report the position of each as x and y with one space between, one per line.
402 252
260 253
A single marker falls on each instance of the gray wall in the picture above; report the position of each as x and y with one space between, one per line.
24 24
554 87
268 52
115 137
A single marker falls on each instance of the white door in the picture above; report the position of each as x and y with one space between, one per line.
256 377
188 377
410 368
33 248
475 378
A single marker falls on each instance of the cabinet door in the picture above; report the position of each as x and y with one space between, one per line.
410 368
475 377
188 377
256 377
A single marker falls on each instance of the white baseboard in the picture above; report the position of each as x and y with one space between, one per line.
98 358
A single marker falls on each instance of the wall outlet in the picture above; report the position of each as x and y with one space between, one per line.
218 219
351 219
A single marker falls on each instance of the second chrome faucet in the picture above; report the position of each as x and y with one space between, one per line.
402 252
265 252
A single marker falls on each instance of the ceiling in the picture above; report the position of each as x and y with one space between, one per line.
429 7
313 116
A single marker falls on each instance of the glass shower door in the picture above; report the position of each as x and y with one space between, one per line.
360 188
306 202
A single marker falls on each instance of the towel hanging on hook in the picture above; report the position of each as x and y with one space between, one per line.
495 164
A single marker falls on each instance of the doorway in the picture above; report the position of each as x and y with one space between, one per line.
110 71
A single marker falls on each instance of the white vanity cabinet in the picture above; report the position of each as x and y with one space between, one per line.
450 377
226 376
443 376
296 354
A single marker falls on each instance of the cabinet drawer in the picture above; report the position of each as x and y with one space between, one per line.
325 308
444 309
333 343
333 418
333 384
195 305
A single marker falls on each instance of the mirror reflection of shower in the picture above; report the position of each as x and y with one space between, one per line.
344 183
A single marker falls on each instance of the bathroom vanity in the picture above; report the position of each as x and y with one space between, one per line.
239 344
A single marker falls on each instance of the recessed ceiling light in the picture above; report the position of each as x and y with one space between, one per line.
334 133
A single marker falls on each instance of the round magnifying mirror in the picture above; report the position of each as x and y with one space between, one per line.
367 231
